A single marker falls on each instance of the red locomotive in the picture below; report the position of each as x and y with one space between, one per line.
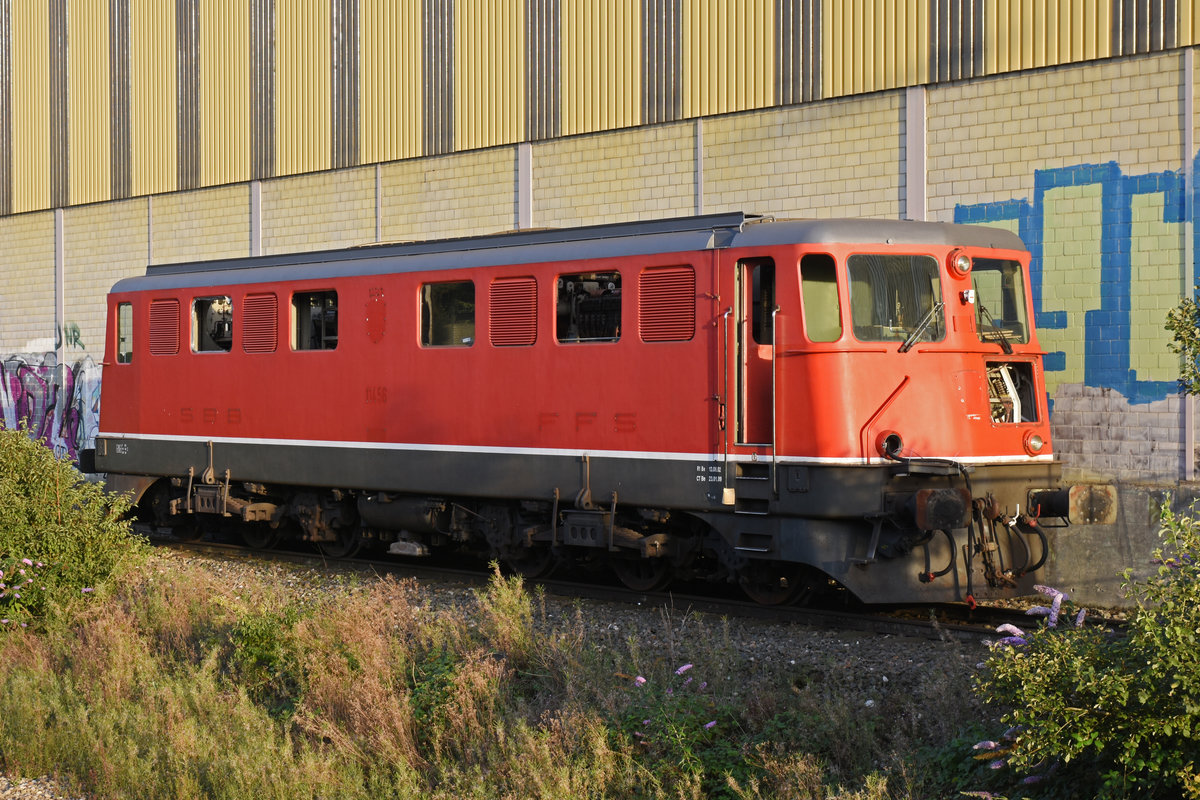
786 404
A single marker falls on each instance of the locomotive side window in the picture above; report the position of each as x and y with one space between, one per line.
999 301
124 333
212 324
315 315
894 298
448 314
589 307
819 296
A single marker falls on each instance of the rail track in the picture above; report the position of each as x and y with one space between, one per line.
933 622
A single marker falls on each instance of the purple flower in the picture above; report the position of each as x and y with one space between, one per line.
87 589
986 745
709 725
1012 630
689 680
645 722
27 562
1013 640
1031 779
703 685
639 681
683 669
997 764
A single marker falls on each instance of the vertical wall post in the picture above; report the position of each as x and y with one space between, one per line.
60 321
1189 242
256 218
915 202
524 185
378 202
699 169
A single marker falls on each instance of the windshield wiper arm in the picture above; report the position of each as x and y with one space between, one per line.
921 326
1004 345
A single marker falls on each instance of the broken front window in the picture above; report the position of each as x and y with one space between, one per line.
896 298
999 301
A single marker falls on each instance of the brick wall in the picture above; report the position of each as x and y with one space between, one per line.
102 244
199 225
27 283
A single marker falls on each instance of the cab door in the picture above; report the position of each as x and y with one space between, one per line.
755 351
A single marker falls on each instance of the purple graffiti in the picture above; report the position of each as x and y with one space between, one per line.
32 389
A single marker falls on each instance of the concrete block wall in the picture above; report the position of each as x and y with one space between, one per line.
27 283
320 211
641 173
839 158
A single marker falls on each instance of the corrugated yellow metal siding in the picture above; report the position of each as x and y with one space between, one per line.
870 45
88 120
489 80
303 139
728 55
30 112
152 97
601 55
224 91
391 110
1025 34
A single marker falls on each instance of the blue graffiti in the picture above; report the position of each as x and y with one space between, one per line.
1106 329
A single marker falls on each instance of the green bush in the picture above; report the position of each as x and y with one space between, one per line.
68 535
1097 714
1183 322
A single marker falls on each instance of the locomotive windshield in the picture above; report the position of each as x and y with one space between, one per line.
999 301
894 298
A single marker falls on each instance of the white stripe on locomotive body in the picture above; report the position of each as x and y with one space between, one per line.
744 458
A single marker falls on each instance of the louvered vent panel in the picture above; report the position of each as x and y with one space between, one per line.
667 304
260 323
513 312
164 327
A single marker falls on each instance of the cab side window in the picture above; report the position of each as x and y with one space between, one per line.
212 325
588 307
124 333
448 314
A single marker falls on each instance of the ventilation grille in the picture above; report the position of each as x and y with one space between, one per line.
667 304
164 327
513 312
260 323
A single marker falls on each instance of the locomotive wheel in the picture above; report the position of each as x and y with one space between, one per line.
531 562
643 574
187 530
346 545
260 535
772 583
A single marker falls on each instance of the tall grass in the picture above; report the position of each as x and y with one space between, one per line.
178 686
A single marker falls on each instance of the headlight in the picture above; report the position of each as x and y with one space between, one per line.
959 264
1034 443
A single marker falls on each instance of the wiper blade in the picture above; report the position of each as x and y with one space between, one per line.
1004 345
921 326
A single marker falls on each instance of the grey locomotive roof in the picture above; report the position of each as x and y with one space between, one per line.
565 244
